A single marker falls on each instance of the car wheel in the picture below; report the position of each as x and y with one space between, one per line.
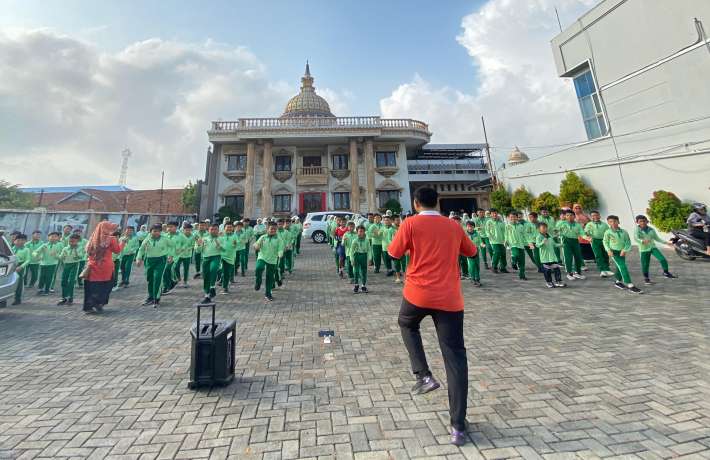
318 237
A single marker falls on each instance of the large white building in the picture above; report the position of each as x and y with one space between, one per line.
641 73
309 160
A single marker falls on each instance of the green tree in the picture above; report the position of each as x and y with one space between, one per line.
392 205
226 211
11 197
574 190
667 212
189 198
521 198
500 199
548 201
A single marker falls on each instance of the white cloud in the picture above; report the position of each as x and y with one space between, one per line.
67 109
519 93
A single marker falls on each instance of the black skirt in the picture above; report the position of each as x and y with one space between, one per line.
96 293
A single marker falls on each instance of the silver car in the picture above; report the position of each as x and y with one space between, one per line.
8 277
314 225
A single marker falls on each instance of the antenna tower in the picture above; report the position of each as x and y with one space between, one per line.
124 166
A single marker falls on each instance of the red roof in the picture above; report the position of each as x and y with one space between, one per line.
167 201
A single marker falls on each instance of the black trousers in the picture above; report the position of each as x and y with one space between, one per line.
449 330
96 293
552 269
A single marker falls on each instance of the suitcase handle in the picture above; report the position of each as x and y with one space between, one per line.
199 307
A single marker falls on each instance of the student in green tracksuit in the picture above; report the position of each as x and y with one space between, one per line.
531 232
155 252
184 250
248 237
85 257
200 234
462 262
348 238
127 255
617 244
241 238
178 241
48 256
387 236
229 243
551 223
479 221
116 259
286 260
495 229
474 263
549 260
270 249
570 230
23 256
516 240
32 273
374 234
71 256
211 261
646 238
595 230
359 248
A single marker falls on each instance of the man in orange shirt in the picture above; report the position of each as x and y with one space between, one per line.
433 288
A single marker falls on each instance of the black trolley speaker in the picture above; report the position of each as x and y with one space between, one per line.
212 354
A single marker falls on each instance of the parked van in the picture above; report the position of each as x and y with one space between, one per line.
314 225
8 277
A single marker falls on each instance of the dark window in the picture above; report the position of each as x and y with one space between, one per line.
340 162
385 159
282 203
592 113
386 195
236 162
283 163
311 161
235 203
341 200
317 218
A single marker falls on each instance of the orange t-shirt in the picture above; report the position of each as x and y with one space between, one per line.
434 243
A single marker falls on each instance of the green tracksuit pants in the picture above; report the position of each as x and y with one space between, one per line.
116 269
82 265
210 267
245 257
349 268
622 271
46 275
271 272
517 257
534 255
31 275
169 277
463 266
182 269
198 262
600 255
360 267
288 261
20 284
298 243
238 266
387 260
498 261
227 274
573 255
154 268
474 267
377 256
69 279
646 261
488 250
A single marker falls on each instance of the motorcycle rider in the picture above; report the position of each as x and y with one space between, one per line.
697 221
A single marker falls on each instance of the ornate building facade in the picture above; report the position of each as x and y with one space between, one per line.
309 160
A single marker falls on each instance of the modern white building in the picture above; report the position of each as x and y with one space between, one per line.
641 73
309 160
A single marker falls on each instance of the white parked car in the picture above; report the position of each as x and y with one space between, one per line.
314 225
8 277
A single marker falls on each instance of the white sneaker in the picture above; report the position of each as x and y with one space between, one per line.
570 277
609 273
579 277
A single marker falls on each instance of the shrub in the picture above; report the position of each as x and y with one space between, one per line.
226 211
667 212
574 190
521 198
500 199
392 205
546 200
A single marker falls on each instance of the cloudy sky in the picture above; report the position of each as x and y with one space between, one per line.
82 80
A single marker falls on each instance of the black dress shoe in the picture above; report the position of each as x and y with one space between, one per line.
425 385
148 301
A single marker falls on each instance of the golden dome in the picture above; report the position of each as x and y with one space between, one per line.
307 103
517 157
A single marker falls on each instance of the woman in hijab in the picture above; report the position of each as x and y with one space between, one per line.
98 278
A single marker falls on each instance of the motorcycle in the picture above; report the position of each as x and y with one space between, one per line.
689 247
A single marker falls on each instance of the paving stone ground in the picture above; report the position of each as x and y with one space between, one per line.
584 372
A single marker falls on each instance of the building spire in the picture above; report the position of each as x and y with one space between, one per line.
308 69
307 80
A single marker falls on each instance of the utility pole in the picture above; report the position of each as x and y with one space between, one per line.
491 168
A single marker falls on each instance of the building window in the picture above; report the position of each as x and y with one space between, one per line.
592 114
235 203
340 162
282 203
236 162
385 195
386 159
311 161
341 200
283 163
